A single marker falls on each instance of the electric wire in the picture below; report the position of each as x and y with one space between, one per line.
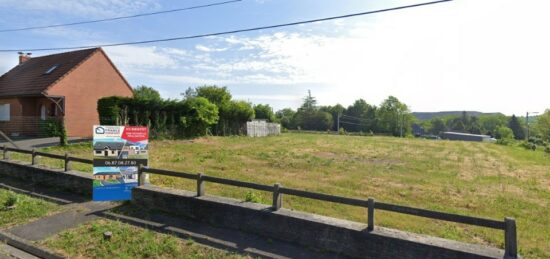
233 31
120 17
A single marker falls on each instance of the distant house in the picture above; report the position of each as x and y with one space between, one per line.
103 176
466 137
108 149
135 150
64 86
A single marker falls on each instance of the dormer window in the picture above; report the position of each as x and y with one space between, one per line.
51 69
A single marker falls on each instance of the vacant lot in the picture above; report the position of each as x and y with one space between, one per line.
477 179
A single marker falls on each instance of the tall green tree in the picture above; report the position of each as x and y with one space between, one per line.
201 114
360 116
286 117
392 114
542 125
437 126
147 93
310 103
264 112
236 114
220 96
516 127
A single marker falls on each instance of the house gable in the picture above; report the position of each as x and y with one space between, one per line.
82 87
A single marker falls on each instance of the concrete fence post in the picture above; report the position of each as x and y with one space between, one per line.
6 155
141 175
510 238
277 197
34 157
370 204
67 163
200 185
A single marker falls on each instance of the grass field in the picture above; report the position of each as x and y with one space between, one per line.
86 241
470 178
26 209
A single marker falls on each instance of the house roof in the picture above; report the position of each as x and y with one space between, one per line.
30 78
109 145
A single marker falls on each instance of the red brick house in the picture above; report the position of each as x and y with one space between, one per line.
65 86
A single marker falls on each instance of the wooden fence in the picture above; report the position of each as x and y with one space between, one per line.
508 225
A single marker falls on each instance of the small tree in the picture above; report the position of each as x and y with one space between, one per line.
516 127
542 125
147 93
264 112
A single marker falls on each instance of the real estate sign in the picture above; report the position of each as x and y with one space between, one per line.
118 152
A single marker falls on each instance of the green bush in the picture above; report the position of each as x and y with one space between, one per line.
504 141
547 150
165 118
11 201
529 145
55 127
342 131
252 197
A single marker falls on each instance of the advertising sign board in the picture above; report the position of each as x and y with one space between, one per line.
118 152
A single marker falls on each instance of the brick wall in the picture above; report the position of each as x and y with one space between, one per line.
92 80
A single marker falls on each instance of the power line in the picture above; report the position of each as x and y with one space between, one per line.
345 122
120 17
231 32
358 118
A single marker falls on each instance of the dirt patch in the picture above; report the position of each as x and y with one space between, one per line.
325 154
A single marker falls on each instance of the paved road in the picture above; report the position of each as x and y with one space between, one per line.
40 142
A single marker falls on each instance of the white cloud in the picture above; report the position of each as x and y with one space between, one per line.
208 49
139 57
82 8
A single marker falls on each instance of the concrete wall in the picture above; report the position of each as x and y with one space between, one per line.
72 181
318 232
323 233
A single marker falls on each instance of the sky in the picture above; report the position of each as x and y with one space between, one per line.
479 55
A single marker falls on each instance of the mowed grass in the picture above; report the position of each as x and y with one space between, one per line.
469 178
26 209
86 241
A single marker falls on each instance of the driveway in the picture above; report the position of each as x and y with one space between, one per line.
41 142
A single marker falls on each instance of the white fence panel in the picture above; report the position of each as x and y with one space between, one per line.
262 129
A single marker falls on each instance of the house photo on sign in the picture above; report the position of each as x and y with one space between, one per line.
118 152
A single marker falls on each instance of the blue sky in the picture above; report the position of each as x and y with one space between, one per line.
485 55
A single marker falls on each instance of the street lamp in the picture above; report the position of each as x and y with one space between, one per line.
527 123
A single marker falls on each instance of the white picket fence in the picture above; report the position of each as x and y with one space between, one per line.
260 128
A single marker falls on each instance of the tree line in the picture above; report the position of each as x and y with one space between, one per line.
391 117
211 109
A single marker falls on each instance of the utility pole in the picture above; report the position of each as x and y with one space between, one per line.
338 123
527 124
402 122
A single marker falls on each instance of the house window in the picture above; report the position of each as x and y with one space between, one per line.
43 112
51 69
5 112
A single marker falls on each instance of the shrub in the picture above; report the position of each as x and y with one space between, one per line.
54 127
165 118
547 150
11 201
252 197
342 131
503 141
529 145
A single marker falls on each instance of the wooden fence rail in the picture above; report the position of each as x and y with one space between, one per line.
508 224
